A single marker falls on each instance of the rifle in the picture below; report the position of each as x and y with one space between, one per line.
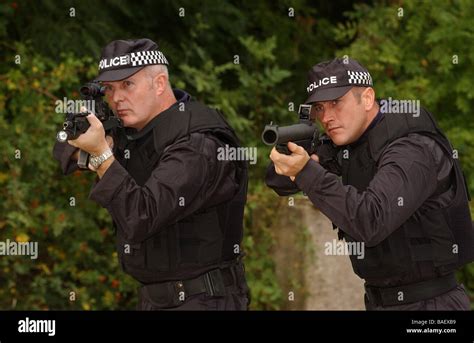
77 123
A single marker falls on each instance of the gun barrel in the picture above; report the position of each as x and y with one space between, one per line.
92 90
274 134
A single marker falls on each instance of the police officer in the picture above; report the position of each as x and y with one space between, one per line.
176 208
402 193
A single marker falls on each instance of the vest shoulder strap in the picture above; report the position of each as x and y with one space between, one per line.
174 124
394 126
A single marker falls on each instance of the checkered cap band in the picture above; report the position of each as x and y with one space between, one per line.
133 59
359 78
143 58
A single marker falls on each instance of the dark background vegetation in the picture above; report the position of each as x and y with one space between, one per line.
409 57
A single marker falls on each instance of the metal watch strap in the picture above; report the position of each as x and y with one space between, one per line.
96 161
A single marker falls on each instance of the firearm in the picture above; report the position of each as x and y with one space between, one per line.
77 123
305 133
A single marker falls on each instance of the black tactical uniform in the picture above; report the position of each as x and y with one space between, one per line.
177 210
404 195
414 248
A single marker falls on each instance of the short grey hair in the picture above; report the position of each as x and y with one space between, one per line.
156 69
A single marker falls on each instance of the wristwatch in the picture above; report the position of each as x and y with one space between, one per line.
96 161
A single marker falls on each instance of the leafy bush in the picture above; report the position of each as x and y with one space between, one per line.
409 57
76 242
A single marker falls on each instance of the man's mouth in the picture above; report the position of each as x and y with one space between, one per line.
333 128
122 112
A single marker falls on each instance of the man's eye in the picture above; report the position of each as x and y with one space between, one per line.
128 83
318 108
335 102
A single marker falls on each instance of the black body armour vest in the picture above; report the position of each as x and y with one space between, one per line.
202 241
430 243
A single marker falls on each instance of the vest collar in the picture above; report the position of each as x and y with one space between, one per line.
133 134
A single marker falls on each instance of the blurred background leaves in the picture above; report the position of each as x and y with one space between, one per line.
409 56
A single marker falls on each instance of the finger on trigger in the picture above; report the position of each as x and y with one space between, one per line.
293 146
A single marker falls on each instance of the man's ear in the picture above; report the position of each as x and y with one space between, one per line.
368 98
160 82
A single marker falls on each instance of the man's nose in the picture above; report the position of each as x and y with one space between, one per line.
328 115
117 97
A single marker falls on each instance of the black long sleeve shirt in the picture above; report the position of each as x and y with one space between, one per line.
188 177
409 169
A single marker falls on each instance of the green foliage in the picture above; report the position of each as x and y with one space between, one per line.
247 58
76 243
423 55
76 250
258 243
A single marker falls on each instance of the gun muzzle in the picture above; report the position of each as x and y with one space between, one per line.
275 135
92 89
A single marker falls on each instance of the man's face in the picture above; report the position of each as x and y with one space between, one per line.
133 99
344 119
